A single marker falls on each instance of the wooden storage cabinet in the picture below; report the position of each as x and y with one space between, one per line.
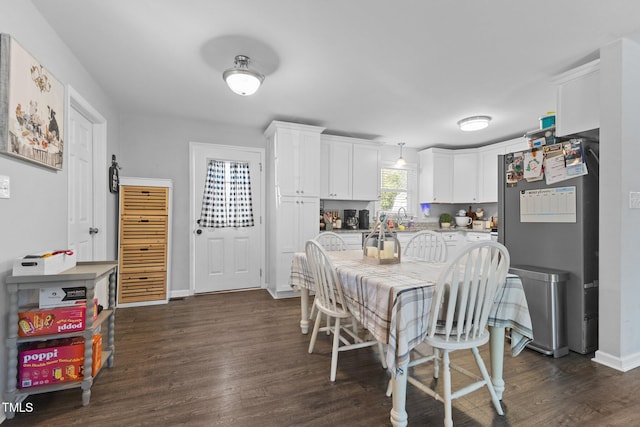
84 274
144 241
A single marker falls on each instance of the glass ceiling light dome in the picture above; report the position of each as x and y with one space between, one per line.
474 123
241 79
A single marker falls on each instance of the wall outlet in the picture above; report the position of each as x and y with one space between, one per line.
634 200
4 187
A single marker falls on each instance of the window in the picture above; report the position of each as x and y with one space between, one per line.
395 189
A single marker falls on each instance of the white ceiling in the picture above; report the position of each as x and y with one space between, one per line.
404 70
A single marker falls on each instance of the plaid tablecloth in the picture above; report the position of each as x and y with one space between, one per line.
393 301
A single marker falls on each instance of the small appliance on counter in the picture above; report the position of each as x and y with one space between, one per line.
350 219
363 219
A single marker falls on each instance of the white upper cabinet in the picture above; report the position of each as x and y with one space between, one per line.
488 173
436 176
465 176
488 167
366 161
349 168
336 169
513 145
295 150
578 102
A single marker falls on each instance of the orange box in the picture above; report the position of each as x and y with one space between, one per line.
58 320
51 362
97 354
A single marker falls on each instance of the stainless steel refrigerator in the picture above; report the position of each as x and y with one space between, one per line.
539 236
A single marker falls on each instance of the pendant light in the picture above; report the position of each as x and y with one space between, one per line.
474 123
241 79
401 161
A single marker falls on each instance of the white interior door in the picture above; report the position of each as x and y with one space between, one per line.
80 146
226 258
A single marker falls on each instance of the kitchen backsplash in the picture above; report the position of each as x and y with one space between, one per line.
435 209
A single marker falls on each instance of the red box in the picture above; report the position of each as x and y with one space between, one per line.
51 362
58 320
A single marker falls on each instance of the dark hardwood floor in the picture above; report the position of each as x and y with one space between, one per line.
238 359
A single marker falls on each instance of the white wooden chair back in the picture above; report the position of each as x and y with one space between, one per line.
428 246
328 287
466 290
331 241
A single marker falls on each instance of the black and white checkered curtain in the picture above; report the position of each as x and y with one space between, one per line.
227 203
240 205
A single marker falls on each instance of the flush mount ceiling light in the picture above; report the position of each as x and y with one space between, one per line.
401 161
241 79
474 123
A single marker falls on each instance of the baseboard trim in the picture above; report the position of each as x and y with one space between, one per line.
180 294
623 364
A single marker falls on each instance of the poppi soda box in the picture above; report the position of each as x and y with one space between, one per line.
51 362
53 320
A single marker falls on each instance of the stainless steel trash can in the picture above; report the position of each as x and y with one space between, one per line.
546 291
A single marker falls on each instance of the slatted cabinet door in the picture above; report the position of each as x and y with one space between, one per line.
144 219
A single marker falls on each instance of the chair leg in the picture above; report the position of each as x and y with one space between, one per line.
448 419
383 359
313 309
390 387
314 335
436 363
334 351
487 379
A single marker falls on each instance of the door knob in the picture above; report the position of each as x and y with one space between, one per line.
93 230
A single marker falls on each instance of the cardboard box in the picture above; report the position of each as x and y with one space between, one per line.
60 297
97 354
54 320
51 362
36 265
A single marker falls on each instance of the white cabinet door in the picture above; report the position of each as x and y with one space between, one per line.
309 220
296 154
353 240
516 144
288 216
436 176
488 173
452 240
286 158
336 170
465 176
578 100
308 166
366 182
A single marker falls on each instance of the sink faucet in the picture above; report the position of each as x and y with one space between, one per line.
399 217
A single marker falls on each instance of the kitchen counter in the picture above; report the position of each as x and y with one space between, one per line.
433 227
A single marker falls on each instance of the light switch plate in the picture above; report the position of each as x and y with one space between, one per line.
634 200
4 187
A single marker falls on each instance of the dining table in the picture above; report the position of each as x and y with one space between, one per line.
393 303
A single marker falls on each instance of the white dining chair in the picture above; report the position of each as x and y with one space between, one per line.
331 302
331 241
463 299
427 245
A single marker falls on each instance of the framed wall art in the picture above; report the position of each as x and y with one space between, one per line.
31 107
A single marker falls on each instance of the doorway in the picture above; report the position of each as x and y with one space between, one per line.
230 258
87 181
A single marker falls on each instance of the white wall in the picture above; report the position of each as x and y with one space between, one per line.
158 147
35 217
619 320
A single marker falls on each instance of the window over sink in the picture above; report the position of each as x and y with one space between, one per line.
397 188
